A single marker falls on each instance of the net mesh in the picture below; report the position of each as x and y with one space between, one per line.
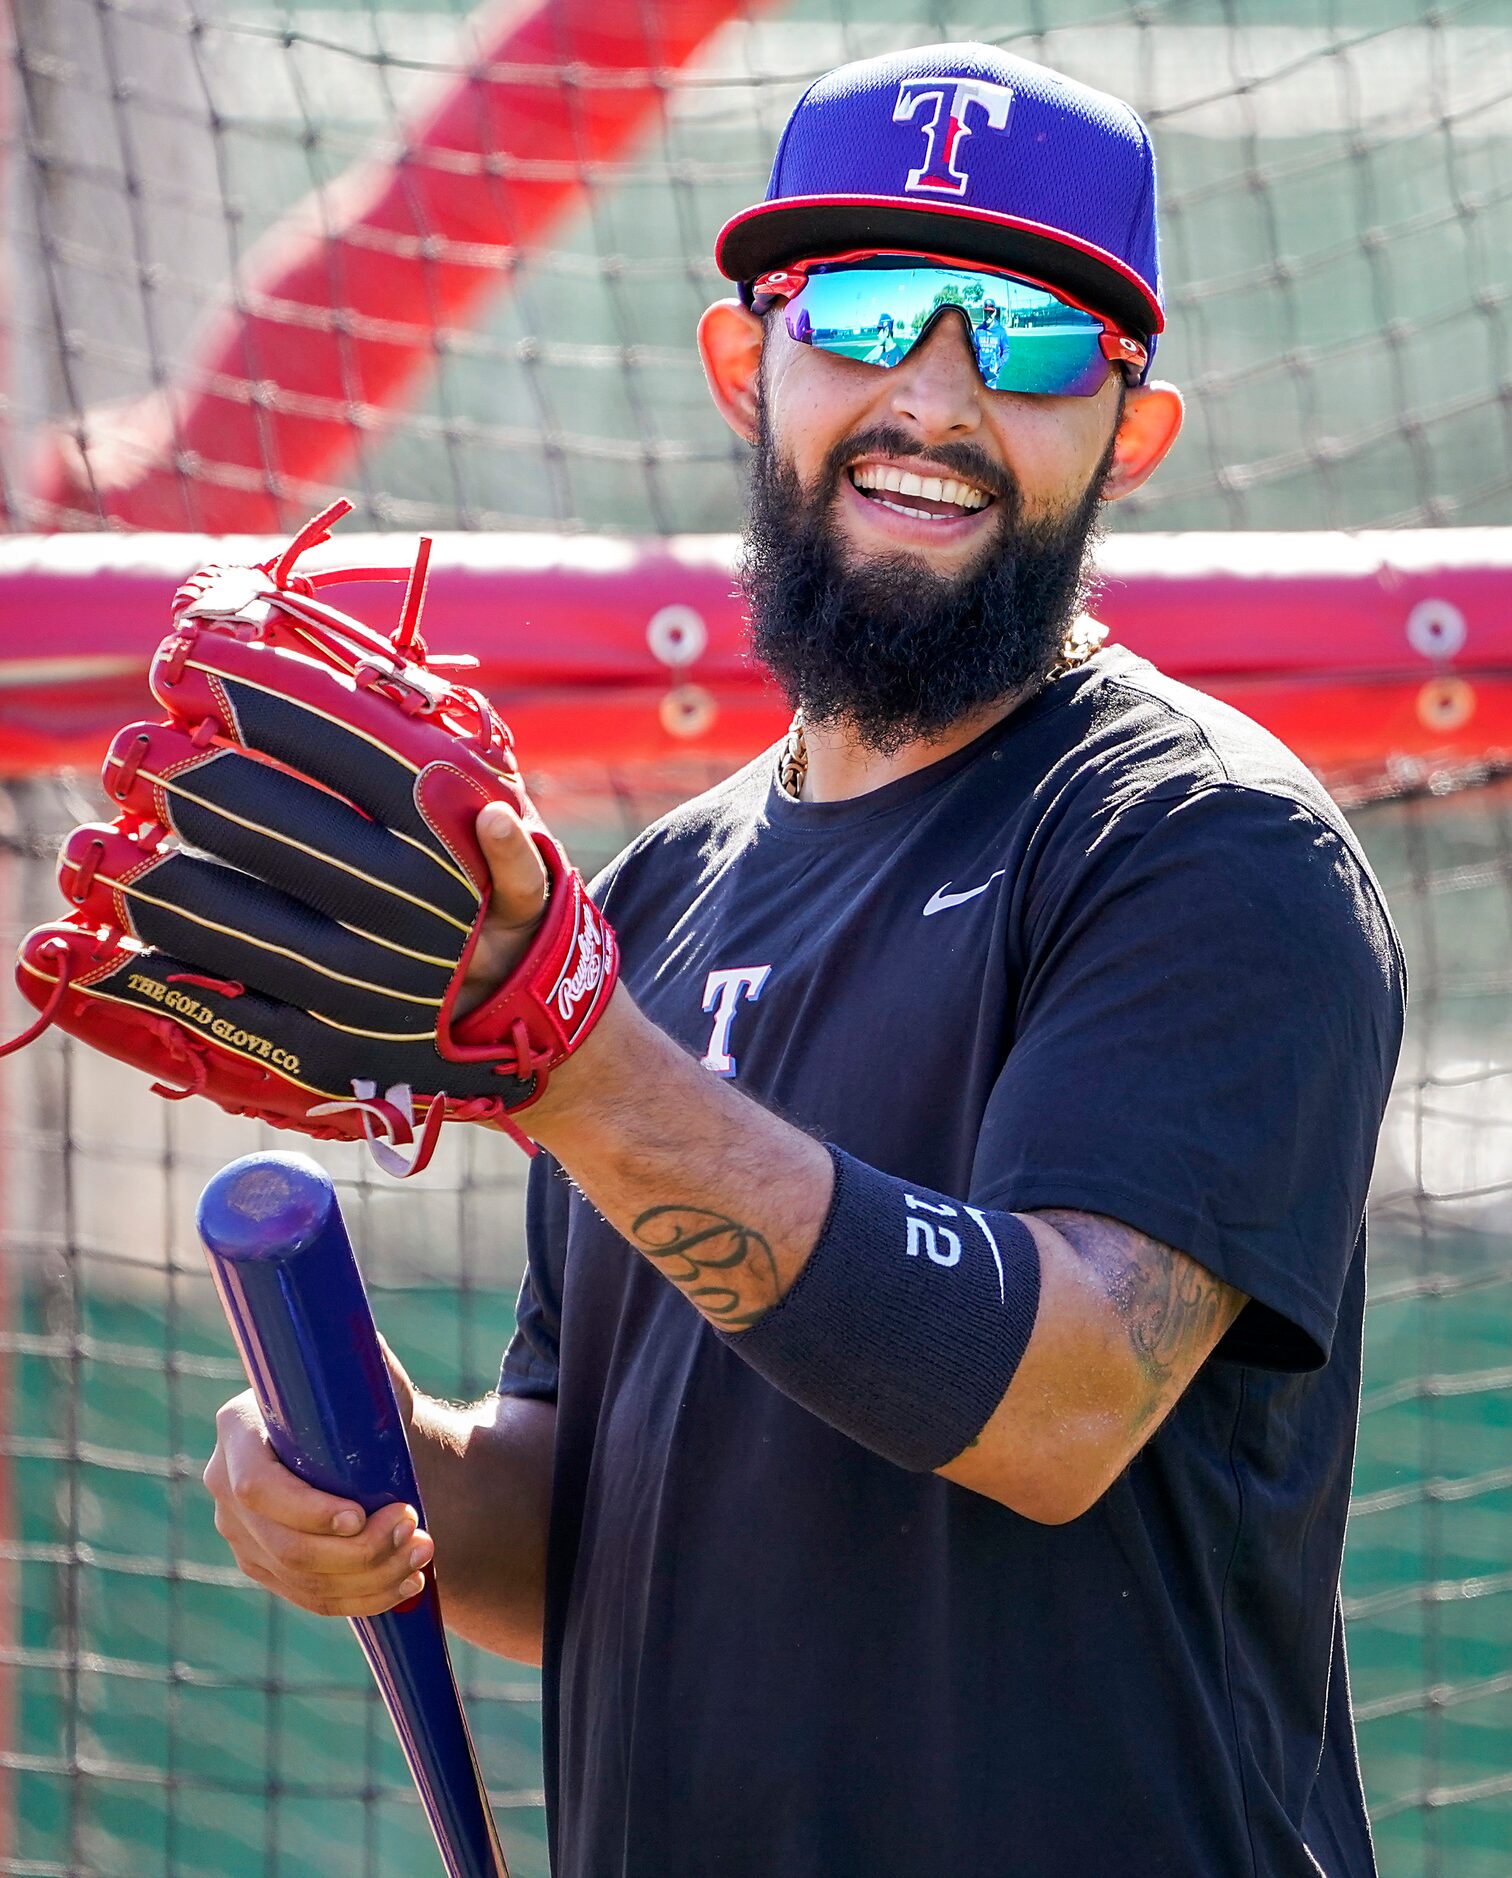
1337 204
250 261
1428 1590
165 1716
160 1714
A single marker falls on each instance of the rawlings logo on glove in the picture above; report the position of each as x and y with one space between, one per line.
283 914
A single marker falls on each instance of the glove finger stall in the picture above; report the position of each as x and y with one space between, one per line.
235 927
248 1051
325 726
301 838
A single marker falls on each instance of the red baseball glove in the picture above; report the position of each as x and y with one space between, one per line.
282 913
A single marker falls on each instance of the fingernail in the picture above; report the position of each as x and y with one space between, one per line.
412 1587
418 1555
347 1523
403 1533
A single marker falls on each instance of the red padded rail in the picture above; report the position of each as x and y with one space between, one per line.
1354 648
335 315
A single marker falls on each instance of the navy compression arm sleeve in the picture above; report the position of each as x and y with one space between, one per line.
906 1325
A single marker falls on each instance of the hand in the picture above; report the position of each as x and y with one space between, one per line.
313 1549
515 906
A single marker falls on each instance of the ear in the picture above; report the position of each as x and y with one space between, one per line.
1151 423
729 343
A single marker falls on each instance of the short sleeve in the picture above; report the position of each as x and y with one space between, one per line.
1209 1020
530 1363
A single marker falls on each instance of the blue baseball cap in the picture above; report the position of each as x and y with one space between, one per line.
969 152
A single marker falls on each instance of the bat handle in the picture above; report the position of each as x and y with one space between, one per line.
294 1298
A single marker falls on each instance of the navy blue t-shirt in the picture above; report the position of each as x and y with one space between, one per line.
1119 954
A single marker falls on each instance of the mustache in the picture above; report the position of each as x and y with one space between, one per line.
885 645
965 459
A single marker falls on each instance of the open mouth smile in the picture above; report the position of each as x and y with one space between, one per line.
920 495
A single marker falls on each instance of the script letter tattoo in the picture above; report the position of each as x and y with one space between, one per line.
724 1268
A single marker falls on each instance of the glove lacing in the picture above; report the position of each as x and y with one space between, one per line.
400 664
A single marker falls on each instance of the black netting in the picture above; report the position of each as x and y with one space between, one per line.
1337 210
166 1717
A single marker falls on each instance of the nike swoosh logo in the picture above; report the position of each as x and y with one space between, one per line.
940 899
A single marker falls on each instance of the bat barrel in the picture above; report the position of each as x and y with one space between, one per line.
282 1262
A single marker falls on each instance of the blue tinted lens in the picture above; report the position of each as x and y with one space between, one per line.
1024 338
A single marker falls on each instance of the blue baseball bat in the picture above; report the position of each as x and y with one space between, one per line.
283 1265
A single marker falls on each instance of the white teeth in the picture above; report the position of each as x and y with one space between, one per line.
963 495
919 515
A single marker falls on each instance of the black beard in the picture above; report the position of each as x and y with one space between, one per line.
887 648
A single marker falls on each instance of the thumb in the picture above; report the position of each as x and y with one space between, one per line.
515 865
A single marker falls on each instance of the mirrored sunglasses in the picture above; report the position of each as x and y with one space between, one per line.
876 307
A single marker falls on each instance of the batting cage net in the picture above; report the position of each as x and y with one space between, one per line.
447 264
450 262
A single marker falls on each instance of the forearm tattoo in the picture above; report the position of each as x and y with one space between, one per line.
1172 1309
726 1269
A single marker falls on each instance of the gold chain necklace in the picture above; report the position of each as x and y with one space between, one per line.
1083 638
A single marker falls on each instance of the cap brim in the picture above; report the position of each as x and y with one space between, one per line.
804 228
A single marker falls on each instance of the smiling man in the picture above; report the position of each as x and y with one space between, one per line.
926 1443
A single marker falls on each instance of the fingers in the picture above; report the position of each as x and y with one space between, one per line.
313 1549
339 1606
515 906
516 867
329 1577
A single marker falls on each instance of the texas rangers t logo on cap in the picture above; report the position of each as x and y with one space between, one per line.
938 174
877 158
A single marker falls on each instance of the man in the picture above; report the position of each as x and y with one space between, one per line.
885 351
990 342
965 1495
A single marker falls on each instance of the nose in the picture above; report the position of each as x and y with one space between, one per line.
938 388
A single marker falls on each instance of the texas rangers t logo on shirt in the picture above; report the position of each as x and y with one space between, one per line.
940 174
723 991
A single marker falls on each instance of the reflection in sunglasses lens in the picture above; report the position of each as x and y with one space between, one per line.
1024 337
